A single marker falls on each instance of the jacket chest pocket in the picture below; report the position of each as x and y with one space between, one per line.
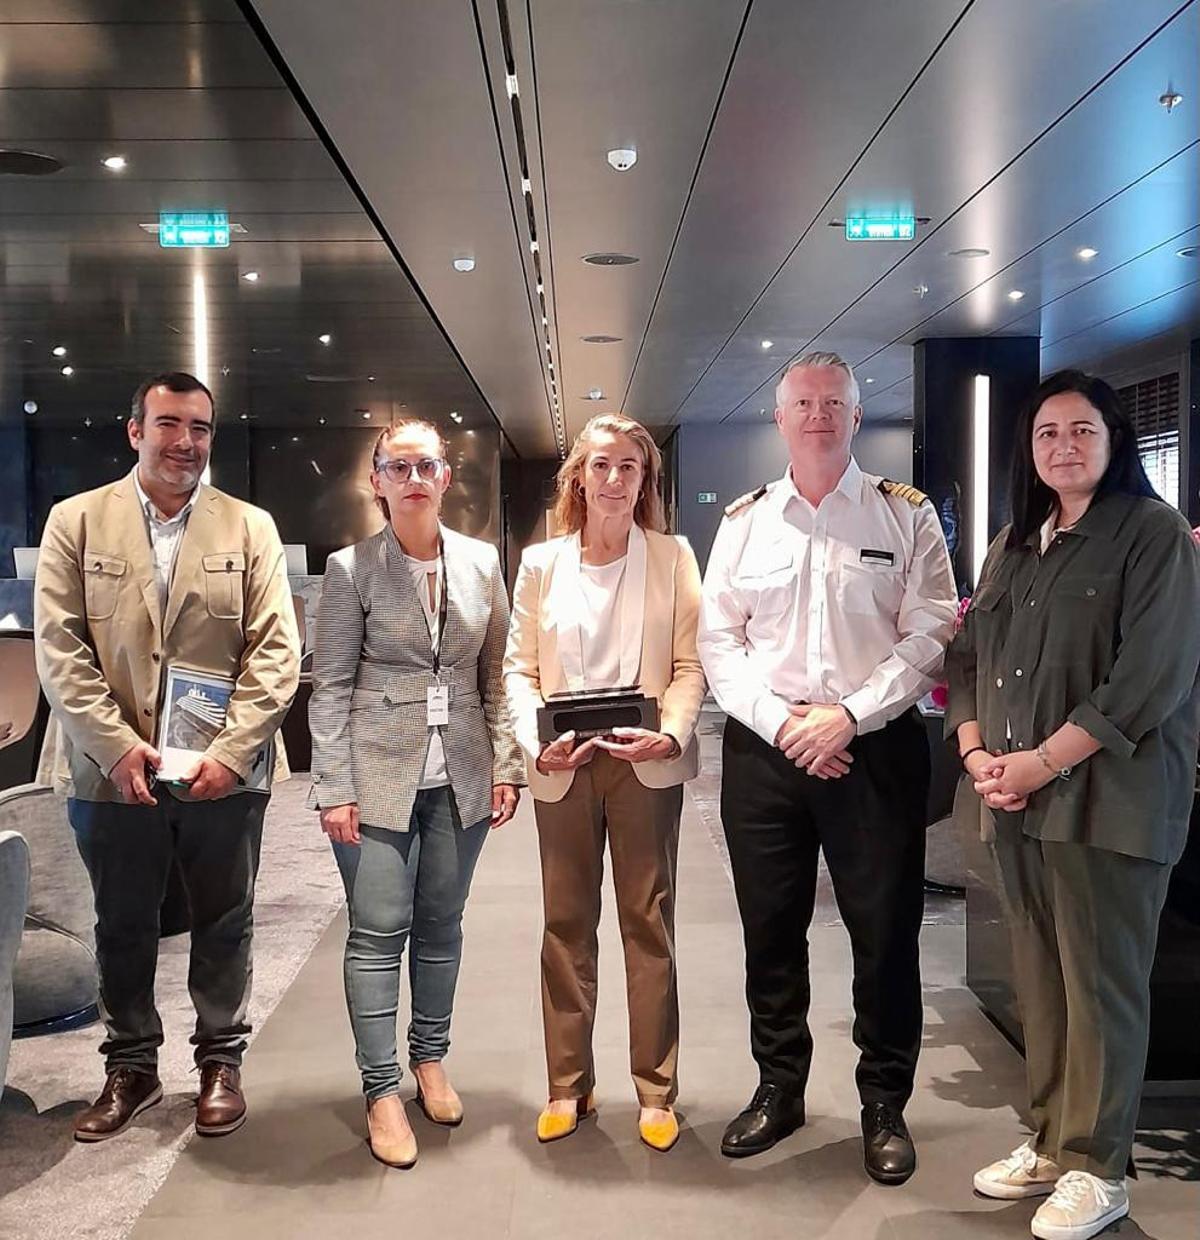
101 581
224 574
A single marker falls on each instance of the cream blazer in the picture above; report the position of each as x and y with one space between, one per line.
103 640
658 647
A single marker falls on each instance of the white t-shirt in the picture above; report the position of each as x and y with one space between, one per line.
602 587
435 774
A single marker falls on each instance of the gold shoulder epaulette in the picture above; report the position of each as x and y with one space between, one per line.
903 491
744 501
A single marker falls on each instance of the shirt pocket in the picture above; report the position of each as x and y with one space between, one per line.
224 575
1083 600
767 583
870 589
101 581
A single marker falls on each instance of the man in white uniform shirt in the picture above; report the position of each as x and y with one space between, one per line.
828 603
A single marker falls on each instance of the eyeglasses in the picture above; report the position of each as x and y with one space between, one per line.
428 469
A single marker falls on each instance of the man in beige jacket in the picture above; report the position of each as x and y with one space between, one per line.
153 571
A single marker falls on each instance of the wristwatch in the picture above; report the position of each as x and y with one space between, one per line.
1059 772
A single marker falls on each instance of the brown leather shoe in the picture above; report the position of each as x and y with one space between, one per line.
220 1108
126 1094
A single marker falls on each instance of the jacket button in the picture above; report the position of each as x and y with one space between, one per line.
999 682
1033 602
1019 672
1090 591
146 711
156 657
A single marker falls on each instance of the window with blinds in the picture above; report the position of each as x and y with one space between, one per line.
1153 405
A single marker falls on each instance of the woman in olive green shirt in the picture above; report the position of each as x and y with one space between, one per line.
1075 699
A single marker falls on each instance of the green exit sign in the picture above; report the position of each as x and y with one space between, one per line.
881 227
197 230
706 497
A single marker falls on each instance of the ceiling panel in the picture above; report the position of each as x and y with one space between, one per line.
937 154
188 93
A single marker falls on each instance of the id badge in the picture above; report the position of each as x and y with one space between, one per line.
437 706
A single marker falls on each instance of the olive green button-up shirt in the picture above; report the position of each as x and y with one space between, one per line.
1101 630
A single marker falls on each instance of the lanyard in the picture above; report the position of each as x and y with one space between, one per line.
442 608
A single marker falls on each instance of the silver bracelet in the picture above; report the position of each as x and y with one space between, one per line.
1059 772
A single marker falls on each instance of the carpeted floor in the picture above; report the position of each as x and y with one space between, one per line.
52 1187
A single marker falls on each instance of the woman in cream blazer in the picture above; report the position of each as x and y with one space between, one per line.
613 602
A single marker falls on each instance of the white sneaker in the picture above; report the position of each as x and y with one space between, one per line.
1024 1173
1081 1206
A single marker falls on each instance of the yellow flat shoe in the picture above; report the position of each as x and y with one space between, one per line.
659 1134
554 1125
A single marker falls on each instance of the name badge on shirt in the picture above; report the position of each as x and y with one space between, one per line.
437 706
869 556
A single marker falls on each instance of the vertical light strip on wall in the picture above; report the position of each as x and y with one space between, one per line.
200 341
980 425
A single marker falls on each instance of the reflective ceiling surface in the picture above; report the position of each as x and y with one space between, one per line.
1027 129
185 92
1024 128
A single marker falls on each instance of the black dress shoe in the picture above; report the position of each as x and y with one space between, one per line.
771 1115
888 1152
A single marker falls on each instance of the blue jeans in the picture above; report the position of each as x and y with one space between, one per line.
402 884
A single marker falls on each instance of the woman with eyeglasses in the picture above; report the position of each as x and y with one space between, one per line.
414 760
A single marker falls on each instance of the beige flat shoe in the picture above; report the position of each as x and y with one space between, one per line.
446 1109
388 1148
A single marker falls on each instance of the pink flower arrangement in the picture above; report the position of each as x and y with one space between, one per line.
939 695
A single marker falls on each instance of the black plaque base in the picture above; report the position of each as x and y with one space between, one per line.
596 713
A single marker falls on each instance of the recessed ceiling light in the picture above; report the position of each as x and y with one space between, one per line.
600 339
767 344
1189 251
533 247
68 371
1085 252
510 85
526 186
969 251
295 439
252 276
59 350
321 421
466 263
28 163
609 259
31 406
115 163
366 413
541 288
869 380
120 417
371 379
243 416
594 394
325 338
1015 294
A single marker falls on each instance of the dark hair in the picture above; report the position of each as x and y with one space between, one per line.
173 381
1032 499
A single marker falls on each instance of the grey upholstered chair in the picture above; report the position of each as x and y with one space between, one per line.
14 891
55 975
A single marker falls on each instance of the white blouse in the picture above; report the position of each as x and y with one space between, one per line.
602 587
435 774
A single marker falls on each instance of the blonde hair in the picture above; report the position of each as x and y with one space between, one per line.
820 359
570 509
389 432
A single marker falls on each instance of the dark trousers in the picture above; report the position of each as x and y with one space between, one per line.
128 851
1084 926
870 824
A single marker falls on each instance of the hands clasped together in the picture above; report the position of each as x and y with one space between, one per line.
1006 781
208 780
815 738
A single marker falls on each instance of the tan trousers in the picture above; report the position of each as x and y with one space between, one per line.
642 826
1084 924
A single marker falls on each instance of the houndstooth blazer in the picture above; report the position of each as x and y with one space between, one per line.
372 665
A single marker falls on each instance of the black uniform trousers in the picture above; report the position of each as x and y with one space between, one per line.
870 824
128 851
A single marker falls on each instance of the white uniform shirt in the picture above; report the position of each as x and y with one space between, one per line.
601 586
435 774
165 536
850 603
